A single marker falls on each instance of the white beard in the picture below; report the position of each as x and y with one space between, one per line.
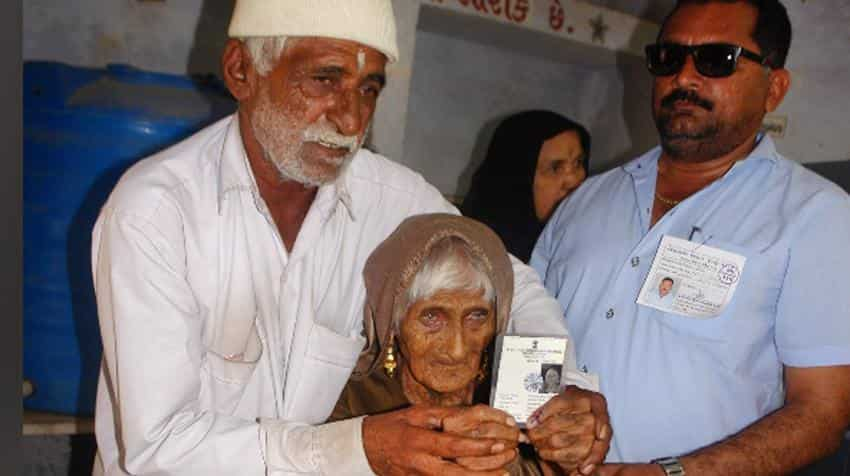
282 141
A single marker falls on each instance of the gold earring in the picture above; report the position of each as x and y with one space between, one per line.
389 360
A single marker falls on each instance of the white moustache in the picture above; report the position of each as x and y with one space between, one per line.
328 137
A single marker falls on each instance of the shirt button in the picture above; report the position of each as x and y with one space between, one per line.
609 314
635 262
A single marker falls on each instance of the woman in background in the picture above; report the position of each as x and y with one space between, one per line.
535 160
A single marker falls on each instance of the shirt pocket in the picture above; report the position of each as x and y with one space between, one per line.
750 312
227 376
327 366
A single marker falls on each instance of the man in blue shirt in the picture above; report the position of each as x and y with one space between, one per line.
762 385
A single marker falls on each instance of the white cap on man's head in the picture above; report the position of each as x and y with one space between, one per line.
369 22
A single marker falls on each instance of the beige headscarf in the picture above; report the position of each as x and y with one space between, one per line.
391 268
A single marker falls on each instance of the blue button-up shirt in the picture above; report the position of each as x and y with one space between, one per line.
674 383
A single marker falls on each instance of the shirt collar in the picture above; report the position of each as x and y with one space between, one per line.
235 175
645 164
765 150
331 196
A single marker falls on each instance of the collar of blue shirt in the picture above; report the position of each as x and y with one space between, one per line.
647 163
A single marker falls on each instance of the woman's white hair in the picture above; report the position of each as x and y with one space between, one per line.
450 266
265 51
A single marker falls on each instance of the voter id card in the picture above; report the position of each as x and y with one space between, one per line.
691 279
528 371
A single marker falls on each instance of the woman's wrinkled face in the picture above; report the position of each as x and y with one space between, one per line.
443 337
559 171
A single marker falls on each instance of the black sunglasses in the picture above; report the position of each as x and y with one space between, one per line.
713 60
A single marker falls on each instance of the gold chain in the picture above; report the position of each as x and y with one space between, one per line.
666 201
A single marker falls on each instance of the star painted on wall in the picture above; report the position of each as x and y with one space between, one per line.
599 28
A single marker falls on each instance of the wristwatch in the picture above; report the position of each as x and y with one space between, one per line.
670 465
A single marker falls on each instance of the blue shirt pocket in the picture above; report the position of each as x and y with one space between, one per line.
750 314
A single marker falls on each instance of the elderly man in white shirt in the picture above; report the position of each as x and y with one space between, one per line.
228 276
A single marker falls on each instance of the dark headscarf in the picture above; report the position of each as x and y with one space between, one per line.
501 194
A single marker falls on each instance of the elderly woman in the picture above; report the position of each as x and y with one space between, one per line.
438 291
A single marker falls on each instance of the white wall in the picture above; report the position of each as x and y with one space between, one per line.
818 104
180 36
468 73
173 36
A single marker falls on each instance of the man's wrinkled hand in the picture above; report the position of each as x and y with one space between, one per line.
572 430
413 441
482 421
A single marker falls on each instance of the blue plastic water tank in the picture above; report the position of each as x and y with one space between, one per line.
82 129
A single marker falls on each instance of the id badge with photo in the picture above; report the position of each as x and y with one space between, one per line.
691 279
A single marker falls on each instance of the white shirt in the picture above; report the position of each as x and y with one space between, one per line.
222 352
